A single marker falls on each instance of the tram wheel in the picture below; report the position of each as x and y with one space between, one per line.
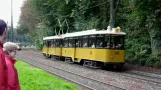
68 60
118 67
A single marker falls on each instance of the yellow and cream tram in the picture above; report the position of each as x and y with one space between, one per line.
52 46
92 48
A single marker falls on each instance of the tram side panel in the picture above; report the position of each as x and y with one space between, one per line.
58 48
51 51
102 55
85 53
68 52
44 51
46 45
58 51
110 56
100 52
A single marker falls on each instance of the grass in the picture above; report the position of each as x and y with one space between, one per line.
36 79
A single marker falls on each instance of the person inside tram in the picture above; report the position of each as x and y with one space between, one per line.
66 44
77 44
70 45
108 45
60 45
52 45
93 45
118 46
85 45
101 44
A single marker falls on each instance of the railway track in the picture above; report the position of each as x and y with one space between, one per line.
84 82
153 82
134 75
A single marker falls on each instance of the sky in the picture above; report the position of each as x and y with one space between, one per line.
5 10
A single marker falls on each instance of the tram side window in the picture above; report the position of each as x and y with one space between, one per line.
44 43
85 41
57 43
107 41
79 42
92 41
71 42
49 43
99 41
117 41
60 43
65 42
53 43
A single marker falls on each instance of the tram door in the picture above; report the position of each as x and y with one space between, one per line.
75 46
78 49
48 46
72 48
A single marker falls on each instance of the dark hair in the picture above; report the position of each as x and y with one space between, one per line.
3 25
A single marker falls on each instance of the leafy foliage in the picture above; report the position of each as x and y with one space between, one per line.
140 19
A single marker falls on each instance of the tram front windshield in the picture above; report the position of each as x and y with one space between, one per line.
117 41
114 41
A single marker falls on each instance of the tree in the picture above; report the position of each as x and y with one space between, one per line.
28 19
149 11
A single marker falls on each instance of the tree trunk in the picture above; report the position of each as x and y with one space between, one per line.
112 13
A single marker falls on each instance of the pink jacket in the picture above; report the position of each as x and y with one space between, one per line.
13 82
3 70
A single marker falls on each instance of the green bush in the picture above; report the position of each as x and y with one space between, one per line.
138 52
38 44
144 59
154 61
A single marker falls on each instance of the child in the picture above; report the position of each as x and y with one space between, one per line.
10 49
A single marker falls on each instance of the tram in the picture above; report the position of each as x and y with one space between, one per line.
93 48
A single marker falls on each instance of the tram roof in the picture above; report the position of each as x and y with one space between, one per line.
53 37
81 33
84 33
92 32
